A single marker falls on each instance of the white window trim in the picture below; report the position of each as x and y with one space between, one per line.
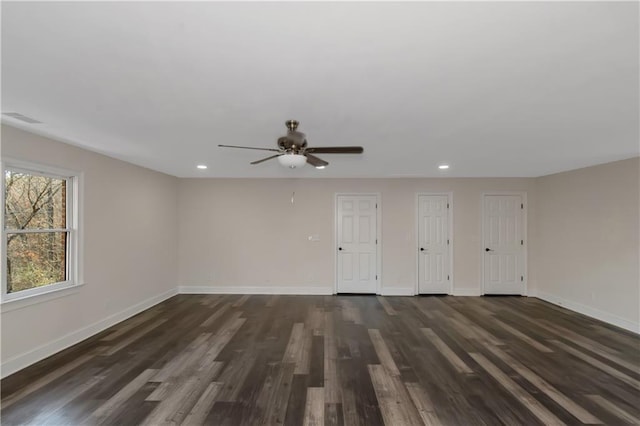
75 272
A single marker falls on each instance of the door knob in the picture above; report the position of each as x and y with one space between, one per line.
339 248
488 249
421 249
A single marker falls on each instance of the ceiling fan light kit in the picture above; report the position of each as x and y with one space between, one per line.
293 152
292 161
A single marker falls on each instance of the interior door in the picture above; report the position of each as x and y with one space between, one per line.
503 248
433 244
357 242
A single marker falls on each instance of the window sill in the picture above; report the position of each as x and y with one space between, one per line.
34 299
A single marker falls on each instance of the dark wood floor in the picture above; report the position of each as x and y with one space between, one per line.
352 360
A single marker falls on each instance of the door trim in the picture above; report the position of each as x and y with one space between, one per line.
449 195
334 247
525 255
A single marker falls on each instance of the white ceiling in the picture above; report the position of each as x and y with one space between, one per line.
494 89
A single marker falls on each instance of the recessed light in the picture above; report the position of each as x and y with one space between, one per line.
443 166
320 167
201 166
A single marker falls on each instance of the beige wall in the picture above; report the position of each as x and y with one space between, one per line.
243 233
587 247
130 257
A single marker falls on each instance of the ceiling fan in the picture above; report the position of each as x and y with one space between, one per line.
293 151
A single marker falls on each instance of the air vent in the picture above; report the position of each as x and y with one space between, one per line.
21 117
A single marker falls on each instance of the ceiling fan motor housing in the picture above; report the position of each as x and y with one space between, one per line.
292 143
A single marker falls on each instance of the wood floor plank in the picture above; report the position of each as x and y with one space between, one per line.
297 400
169 405
430 315
395 404
383 352
272 301
598 364
134 337
201 409
303 364
449 355
314 409
350 312
129 325
241 301
333 415
121 397
562 400
217 314
178 362
47 379
463 329
160 392
276 407
315 321
293 352
235 375
542 413
535 344
387 307
50 415
593 346
317 362
615 410
206 374
349 408
479 332
359 401
423 403
180 398
331 387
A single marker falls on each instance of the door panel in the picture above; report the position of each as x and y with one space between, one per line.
503 249
433 244
357 244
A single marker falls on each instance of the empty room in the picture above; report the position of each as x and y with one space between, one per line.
320 213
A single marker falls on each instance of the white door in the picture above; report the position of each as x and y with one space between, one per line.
357 242
503 248
433 244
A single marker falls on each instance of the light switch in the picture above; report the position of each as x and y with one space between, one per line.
314 237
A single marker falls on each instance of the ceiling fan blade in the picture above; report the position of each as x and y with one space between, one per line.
249 147
265 159
315 161
336 150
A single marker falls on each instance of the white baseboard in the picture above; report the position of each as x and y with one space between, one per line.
589 311
320 291
466 292
23 360
398 291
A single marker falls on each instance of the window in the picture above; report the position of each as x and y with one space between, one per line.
40 232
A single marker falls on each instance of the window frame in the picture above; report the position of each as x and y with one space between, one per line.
73 262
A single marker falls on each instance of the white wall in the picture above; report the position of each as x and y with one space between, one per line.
246 233
130 257
587 250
